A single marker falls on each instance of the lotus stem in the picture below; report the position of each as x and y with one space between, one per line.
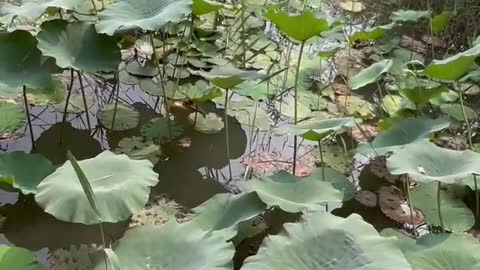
321 159
87 113
296 107
244 45
465 118
227 139
116 100
477 199
406 181
439 189
165 99
95 11
69 94
29 120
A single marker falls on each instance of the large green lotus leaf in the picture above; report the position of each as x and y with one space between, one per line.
295 194
373 33
171 246
200 91
409 15
426 162
404 132
119 117
147 15
16 258
21 63
223 212
456 215
440 21
12 117
77 45
31 10
371 74
298 27
121 187
317 129
210 123
324 241
445 252
24 171
454 67
226 76
202 7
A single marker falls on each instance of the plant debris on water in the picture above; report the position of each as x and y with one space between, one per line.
239 134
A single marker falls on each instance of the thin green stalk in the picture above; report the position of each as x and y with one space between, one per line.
165 99
29 119
439 209
477 199
116 100
244 56
321 159
410 203
85 105
227 139
296 106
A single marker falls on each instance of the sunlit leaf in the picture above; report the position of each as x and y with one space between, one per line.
441 21
454 67
371 74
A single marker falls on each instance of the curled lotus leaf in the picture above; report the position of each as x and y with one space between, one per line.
121 187
147 15
317 129
454 67
371 74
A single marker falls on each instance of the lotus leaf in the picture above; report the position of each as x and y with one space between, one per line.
317 129
22 63
202 7
18 259
78 46
426 162
121 187
455 111
258 119
226 76
147 15
294 194
12 117
223 212
182 247
146 70
138 149
200 91
298 27
119 117
440 21
456 215
409 15
392 104
324 241
210 123
24 171
373 33
352 6
454 67
371 74
260 91
404 133
154 87
53 94
157 130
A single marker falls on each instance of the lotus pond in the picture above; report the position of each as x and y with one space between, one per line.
247 134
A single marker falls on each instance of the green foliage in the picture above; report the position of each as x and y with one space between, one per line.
119 117
12 117
371 74
18 259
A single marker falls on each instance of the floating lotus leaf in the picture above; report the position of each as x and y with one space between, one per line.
294 194
200 91
447 251
202 7
119 117
317 129
454 67
18 259
455 111
76 105
22 63
426 162
298 27
456 215
210 123
146 70
12 117
324 241
441 21
121 187
53 94
371 74
260 91
409 15
77 45
258 119
24 171
403 133
147 15
137 148
223 212
373 33
171 246
226 76
154 87
157 130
